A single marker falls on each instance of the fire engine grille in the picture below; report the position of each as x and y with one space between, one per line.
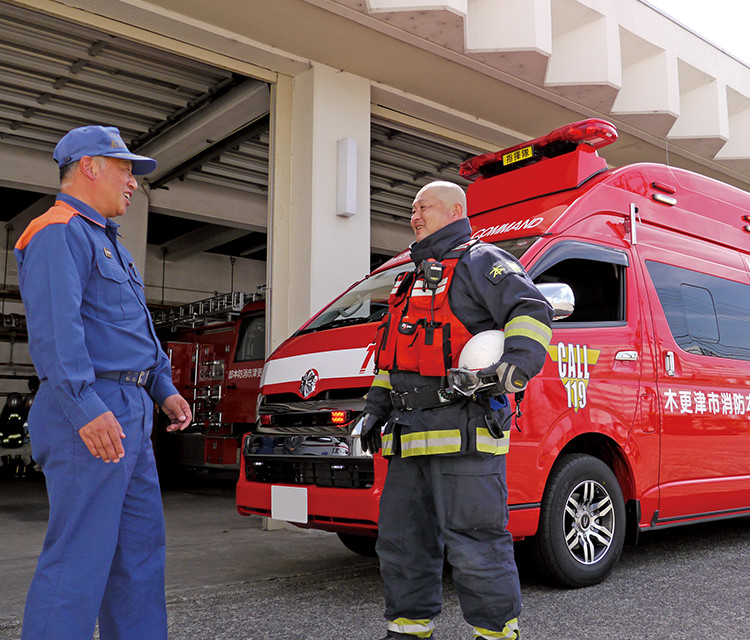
320 471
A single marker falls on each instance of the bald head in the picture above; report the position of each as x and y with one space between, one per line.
435 206
447 192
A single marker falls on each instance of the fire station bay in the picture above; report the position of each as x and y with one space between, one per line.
603 144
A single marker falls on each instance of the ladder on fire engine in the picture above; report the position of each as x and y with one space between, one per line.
222 307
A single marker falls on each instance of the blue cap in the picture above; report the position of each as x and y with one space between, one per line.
99 141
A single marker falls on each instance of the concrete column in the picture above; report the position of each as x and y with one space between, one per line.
585 65
650 94
513 35
509 26
703 125
735 154
315 253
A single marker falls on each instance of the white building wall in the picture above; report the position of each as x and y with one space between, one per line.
200 276
317 253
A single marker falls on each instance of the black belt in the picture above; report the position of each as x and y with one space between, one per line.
423 399
138 378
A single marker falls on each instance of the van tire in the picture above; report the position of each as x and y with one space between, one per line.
363 545
569 511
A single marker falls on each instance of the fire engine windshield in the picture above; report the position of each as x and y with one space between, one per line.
365 302
368 300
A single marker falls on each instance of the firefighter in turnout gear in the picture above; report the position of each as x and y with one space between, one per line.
445 490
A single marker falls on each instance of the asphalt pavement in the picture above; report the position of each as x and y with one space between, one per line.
227 579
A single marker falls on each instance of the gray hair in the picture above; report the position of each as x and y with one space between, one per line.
68 171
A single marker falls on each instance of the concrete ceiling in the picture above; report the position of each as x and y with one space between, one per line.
204 125
498 70
520 66
208 129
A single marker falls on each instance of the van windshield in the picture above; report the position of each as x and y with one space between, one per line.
368 300
365 302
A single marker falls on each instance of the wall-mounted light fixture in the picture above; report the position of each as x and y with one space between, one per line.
346 184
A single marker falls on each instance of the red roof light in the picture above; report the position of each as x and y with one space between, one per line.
594 133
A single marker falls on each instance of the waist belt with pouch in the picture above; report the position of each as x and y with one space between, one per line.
138 378
423 398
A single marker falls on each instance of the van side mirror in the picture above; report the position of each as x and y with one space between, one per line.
560 296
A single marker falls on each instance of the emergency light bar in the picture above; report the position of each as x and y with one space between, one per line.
594 133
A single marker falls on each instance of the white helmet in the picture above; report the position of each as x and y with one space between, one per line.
482 350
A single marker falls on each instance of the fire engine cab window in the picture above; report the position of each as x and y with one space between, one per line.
598 287
251 343
365 302
707 315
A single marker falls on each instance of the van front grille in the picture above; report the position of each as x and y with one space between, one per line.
330 471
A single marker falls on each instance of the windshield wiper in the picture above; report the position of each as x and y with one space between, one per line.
335 324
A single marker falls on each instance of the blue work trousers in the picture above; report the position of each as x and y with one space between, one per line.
104 553
436 504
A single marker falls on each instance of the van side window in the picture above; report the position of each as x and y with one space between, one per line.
251 343
599 289
707 315
597 275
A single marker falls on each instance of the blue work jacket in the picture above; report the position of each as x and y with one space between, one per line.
85 308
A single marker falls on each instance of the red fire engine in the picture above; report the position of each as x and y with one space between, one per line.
640 418
216 347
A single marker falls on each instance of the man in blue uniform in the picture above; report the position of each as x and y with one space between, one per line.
445 491
101 369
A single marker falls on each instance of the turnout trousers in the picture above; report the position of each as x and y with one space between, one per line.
104 552
433 505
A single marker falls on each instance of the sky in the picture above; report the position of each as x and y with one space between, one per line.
726 23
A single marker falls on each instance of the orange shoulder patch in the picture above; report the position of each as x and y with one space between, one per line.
59 213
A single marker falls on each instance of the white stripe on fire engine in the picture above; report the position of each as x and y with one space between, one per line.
343 363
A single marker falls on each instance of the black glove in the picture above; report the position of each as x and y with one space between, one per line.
368 429
509 378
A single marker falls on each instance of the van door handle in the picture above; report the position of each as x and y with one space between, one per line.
627 356
669 363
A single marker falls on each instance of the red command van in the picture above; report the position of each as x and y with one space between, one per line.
640 418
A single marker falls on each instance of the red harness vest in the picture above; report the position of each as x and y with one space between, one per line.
420 332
